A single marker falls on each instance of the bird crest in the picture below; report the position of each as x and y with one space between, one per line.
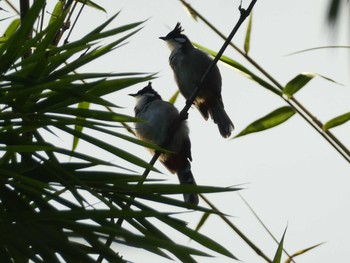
175 34
178 29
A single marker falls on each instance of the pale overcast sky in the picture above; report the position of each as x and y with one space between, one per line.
291 175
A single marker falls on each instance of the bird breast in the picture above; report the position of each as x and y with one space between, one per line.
158 117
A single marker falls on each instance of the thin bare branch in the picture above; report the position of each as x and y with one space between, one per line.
184 112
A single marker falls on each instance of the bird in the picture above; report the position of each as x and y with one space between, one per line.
189 65
157 117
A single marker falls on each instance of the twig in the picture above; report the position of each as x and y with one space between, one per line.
12 7
75 21
65 25
184 112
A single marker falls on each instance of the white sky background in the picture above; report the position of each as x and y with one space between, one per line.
291 175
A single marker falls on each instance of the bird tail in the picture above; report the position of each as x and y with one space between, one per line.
186 177
220 117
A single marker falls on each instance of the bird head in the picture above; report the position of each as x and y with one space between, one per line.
175 39
146 91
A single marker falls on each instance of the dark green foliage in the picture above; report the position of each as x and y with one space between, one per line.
47 206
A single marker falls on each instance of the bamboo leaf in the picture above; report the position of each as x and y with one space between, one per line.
239 67
174 97
317 48
79 215
339 120
109 148
57 11
92 160
79 128
248 33
27 148
297 83
300 81
179 189
93 5
96 114
11 29
90 56
298 253
202 221
278 256
95 126
201 239
271 120
97 89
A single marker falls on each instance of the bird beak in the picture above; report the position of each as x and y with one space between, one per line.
132 95
162 38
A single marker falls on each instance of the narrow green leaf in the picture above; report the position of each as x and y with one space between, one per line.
79 128
11 174
297 83
300 252
92 160
174 97
179 189
248 33
246 72
105 178
339 120
202 221
27 148
103 25
201 239
97 89
300 81
278 255
128 238
269 121
79 215
65 94
90 56
109 148
57 11
96 114
93 5
49 120
166 200
11 29
316 48
107 87
88 124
